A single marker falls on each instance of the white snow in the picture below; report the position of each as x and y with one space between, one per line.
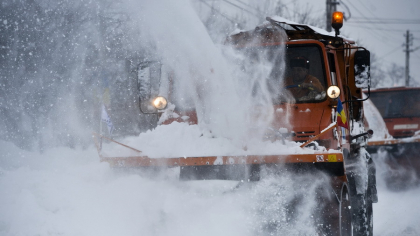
331 125
375 121
66 191
69 192
283 130
316 29
208 75
182 139
397 213
168 114
361 77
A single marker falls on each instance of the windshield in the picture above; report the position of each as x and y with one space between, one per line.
297 73
305 75
397 104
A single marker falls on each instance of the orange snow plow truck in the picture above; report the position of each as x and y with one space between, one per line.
326 99
400 110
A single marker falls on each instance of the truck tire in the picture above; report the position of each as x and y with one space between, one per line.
361 211
345 214
371 196
336 214
369 213
361 203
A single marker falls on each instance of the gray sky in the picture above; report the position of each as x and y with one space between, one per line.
384 39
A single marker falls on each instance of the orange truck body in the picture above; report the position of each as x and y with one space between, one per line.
400 109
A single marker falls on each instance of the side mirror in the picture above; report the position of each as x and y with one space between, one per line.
148 83
362 69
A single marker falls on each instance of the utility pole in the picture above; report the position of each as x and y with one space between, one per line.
331 7
408 43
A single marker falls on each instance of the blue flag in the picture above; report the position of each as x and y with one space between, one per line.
105 118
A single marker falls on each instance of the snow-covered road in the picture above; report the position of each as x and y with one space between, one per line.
68 192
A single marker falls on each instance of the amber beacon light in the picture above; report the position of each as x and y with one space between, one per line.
337 21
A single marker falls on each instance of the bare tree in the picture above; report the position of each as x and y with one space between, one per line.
246 14
396 74
303 15
377 74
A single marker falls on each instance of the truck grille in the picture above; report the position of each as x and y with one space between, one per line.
305 134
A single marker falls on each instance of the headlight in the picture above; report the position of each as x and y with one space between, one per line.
333 91
160 103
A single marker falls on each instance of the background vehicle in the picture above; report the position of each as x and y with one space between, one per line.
400 110
342 68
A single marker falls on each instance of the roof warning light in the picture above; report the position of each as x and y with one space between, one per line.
337 21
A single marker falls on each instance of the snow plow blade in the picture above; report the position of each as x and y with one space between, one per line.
400 148
379 143
138 161
234 167
331 163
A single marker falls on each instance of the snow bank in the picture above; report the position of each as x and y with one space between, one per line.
375 121
69 192
396 213
181 139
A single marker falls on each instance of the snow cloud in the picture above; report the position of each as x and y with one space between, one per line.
209 74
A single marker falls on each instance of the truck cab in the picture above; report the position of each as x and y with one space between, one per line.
399 154
400 109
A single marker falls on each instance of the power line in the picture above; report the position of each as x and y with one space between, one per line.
366 18
284 4
417 55
385 19
377 36
243 9
243 3
361 3
382 29
348 9
217 11
390 52
384 22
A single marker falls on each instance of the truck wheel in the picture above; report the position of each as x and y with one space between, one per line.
345 214
361 211
369 214
336 215
371 197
